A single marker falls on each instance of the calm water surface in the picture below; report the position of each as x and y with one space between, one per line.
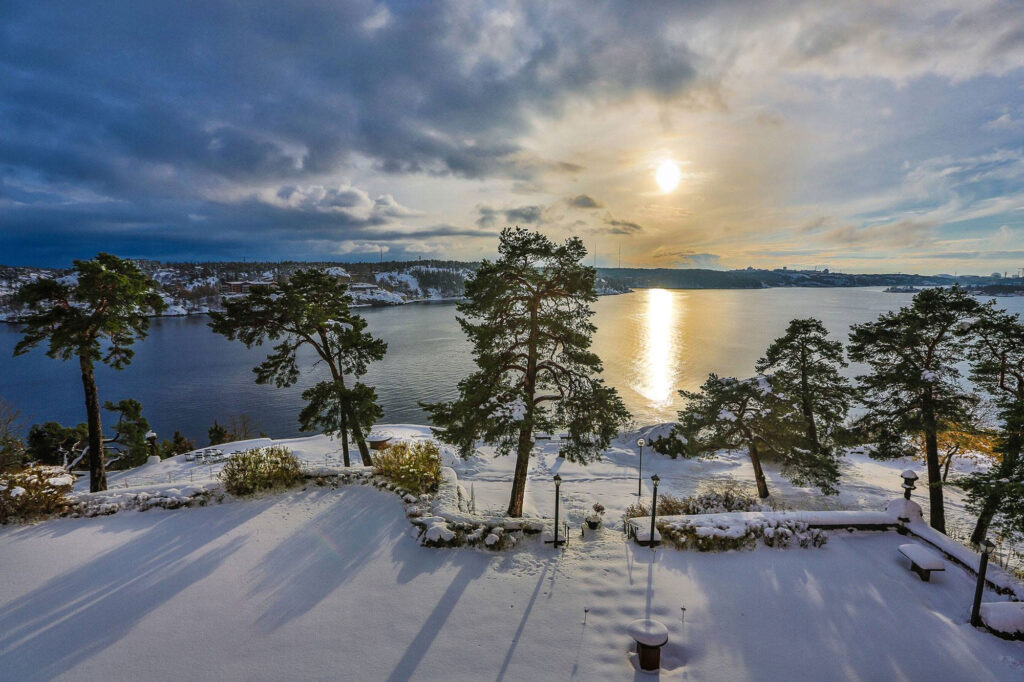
653 342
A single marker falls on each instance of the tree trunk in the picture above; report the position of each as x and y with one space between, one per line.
805 404
364 452
344 438
937 512
97 469
525 446
945 466
755 460
994 499
515 504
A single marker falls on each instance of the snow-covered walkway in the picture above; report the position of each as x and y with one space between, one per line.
328 584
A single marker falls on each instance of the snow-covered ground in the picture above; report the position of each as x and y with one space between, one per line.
330 584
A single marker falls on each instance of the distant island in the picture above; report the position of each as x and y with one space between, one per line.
198 288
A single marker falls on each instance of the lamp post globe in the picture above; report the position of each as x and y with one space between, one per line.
640 443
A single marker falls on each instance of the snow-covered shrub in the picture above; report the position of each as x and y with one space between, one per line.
260 469
415 467
714 502
34 492
706 533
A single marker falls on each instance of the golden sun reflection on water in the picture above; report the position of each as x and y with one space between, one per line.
658 350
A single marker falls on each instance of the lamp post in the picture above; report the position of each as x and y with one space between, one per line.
151 439
986 549
909 477
654 509
556 542
640 442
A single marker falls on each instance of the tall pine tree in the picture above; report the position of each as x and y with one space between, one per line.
997 365
527 315
913 387
727 413
810 399
311 309
95 315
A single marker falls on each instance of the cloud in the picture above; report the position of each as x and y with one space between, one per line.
521 215
584 201
623 227
285 122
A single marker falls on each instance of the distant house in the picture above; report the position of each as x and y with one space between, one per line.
338 272
243 287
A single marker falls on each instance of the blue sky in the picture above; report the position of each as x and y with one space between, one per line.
869 136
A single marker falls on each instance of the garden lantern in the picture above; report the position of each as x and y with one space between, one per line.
908 482
556 542
654 509
986 549
640 442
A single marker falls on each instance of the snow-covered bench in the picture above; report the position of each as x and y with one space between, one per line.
923 561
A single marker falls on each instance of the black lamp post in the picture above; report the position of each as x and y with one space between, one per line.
640 472
986 549
556 542
654 508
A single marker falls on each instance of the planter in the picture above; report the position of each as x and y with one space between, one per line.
594 525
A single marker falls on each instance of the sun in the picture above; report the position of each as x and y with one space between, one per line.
668 176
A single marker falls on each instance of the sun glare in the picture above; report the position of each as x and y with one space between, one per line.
668 176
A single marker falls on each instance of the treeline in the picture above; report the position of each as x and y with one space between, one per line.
794 409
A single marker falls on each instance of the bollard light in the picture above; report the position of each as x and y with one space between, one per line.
909 477
640 442
986 550
654 509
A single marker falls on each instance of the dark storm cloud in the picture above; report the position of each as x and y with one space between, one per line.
522 215
154 103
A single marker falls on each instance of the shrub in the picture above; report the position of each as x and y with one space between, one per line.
34 492
720 501
414 466
260 469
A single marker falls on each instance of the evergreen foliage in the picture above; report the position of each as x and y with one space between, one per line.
809 401
51 443
130 433
997 365
178 445
913 387
93 315
727 413
527 315
217 433
311 308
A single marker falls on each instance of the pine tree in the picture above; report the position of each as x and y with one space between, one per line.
527 315
95 315
311 308
217 433
997 365
129 433
810 399
727 413
913 387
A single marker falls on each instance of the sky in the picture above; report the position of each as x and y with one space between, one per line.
864 137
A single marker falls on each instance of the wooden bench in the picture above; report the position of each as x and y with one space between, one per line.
923 561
